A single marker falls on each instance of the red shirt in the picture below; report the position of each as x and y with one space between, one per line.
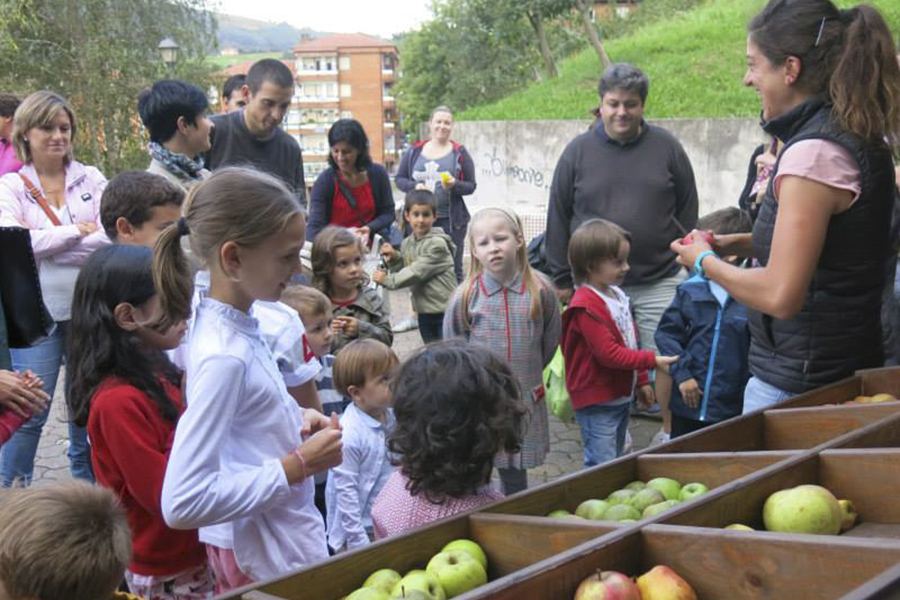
130 444
345 216
599 365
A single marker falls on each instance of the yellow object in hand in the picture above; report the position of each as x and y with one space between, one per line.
445 178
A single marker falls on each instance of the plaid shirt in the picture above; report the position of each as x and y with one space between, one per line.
499 318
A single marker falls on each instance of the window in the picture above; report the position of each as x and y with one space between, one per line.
347 114
387 62
344 63
345 90
293 117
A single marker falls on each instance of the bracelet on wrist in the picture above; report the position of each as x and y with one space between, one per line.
698 264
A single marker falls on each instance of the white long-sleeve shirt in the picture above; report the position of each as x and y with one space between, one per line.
224 474
354 484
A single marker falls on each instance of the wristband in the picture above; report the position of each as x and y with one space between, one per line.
698 264
302 462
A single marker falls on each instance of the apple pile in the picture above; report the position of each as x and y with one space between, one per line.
659 583
460 566
872 399
637 500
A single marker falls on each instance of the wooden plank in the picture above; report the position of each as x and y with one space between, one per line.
880 381
740 434
885 586
839 391
808 427
743 565
870 478
881 434
516 542
257 595
711 469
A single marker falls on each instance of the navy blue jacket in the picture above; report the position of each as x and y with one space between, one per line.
321 201
712 343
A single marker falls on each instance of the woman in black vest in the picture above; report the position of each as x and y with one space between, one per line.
830 91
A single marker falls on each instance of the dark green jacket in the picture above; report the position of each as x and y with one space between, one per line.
427 266
374 321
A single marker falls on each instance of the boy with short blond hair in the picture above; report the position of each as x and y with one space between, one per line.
62 540
363 370
425 263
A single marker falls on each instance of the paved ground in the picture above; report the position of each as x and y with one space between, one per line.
565 440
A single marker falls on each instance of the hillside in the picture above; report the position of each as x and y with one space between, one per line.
254 36
695 62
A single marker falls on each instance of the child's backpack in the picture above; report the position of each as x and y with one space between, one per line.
556 395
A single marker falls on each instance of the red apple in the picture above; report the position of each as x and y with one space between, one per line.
707 237
607 585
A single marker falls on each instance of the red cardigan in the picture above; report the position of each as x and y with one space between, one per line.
130 444
599 365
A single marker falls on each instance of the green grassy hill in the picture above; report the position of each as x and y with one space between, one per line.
695 62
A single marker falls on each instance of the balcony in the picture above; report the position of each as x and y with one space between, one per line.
316 100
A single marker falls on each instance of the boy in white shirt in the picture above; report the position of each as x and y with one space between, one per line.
362 371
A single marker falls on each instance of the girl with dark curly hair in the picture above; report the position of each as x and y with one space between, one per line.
457 405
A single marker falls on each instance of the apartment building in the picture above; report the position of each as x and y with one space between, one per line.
344 76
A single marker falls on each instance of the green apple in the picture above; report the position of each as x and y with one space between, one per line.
669 487
383 579
692 490
458 571
620 512
646 497
470 547
655 509
368 593
803 509
739 527
559 513
635 486
592 509
849 514
422 581
620 496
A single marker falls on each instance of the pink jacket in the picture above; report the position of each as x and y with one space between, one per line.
84 186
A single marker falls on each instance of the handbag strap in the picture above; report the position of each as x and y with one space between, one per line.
42 202
351 199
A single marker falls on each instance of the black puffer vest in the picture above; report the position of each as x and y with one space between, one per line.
838 329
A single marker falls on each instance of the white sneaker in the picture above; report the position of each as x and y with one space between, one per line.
407 324
629 445
661 437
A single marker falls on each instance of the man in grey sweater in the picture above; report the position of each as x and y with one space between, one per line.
635 175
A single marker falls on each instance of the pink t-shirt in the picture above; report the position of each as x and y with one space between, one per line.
8 161
821 161
396 510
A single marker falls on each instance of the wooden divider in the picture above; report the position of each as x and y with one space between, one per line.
791 428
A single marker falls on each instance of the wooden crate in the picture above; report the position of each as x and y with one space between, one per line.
881 434
719 565
511 544
868 477
782 428
713 470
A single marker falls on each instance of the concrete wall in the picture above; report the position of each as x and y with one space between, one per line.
515 160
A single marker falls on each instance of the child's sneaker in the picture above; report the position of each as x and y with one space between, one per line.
407 324
629 445
661 437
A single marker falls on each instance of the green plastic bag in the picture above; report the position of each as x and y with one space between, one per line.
555 389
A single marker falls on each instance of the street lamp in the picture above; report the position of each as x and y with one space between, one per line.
169 51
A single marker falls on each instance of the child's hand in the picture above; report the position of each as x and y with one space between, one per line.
387 251
18 396
349 326
663 362
645 397
690 392
379 276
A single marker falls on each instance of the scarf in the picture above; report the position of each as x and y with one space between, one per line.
179 164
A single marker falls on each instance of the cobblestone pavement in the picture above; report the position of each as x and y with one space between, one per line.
565 455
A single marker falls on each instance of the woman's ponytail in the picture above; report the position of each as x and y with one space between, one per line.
865 83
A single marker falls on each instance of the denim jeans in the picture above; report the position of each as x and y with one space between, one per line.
603 429
431 327
17 455
759 394
458 236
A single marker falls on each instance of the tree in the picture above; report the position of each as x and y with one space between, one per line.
100 54
585 11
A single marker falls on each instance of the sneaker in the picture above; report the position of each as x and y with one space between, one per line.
661 437
629 445
407 324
